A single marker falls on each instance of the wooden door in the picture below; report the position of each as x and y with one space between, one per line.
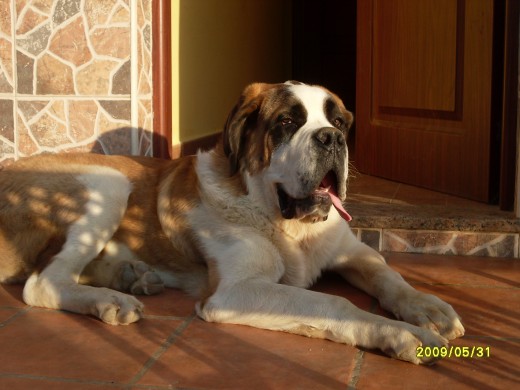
424 93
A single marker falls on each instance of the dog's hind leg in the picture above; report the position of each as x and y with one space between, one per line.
56 286
119 269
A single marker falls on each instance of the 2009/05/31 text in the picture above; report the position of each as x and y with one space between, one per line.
453 351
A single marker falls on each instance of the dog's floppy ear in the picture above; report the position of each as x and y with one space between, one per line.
241 120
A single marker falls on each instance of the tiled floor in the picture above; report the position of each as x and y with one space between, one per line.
370 192
370 189
172 348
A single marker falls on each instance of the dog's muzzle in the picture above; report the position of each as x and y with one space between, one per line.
326 186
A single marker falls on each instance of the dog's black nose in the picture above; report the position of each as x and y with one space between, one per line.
330 138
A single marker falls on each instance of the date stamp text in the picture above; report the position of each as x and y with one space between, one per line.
454 352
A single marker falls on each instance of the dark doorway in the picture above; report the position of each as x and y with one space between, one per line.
324 46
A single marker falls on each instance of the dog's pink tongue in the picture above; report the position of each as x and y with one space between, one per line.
339 206
328 182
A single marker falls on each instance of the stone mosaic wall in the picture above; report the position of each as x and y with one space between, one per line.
441 242
75 75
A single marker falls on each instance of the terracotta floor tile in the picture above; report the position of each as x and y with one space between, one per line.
484 311
407 194
6 314
474 271
500 371
335 285
38 383
471 204
11 295
374 190
170 303
369 189
231 356
56 350
57 344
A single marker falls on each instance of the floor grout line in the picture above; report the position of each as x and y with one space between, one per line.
356 371
161 387
20 312
162 317
61 380
162 349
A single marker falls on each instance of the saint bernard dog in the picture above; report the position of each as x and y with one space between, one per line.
246 227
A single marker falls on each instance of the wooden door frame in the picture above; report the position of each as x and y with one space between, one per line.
162 78
509 153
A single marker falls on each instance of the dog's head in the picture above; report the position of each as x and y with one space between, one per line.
295 137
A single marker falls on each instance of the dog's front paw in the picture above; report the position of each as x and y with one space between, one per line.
404 343
428 311
118 309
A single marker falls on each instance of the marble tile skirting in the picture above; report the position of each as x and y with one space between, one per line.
441 242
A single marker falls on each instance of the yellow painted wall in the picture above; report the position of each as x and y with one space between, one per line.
220 46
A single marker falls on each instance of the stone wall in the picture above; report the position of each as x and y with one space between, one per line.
441 242
75 75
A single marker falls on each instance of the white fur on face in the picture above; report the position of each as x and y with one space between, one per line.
291 161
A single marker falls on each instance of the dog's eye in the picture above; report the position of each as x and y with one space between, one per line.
338 122
286 121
